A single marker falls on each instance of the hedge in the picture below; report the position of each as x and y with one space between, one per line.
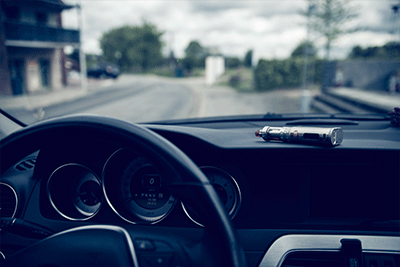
271 74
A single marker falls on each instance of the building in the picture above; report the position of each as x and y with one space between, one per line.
31 46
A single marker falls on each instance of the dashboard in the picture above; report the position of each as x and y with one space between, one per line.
281 197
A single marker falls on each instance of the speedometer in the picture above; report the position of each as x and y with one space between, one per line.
135 188
227 189
143 191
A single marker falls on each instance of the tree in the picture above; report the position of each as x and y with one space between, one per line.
232 62
133 46
330 19
195 56
194 50
310 49
389 50
248 58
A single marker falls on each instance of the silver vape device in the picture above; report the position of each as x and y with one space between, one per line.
312 135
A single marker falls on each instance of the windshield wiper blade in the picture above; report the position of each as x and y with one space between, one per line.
12 118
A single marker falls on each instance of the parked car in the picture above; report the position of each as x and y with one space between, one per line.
103 71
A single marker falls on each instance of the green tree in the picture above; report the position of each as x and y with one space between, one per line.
356 52
310 49
389 50
131 47
330 19
194 50
195 56
248 58
232 62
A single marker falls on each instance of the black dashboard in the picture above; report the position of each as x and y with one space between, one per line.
271 190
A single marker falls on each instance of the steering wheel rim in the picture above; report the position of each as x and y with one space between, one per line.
31 138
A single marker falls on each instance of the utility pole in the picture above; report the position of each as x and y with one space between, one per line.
396 22
306 95
82 58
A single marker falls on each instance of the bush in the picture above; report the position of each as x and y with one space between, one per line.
271 74
234 80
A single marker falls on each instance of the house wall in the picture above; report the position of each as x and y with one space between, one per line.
5 82
56 70
28 15
22 64
32 76
362 74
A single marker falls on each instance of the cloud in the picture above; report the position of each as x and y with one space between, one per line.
274 28
216 6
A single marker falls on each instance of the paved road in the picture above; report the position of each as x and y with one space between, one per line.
150 98
159 101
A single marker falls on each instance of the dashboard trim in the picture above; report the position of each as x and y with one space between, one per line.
142 219
55 206
231 213
286 244
16 198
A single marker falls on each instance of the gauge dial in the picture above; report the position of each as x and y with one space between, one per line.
144 192
87 194
227 189
135 188
75 192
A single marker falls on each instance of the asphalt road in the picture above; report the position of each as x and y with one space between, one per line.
159 101
151 98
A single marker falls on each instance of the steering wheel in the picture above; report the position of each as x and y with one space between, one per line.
108 245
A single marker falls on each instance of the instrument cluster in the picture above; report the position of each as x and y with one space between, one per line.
134 186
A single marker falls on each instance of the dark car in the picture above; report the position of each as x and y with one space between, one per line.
103 71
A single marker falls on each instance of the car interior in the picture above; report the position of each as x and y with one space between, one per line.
95 191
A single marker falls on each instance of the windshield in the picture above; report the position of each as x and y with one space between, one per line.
145 61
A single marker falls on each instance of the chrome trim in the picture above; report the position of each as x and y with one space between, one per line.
286 244
16 198
142 220
187 214
2 254
236 208
54 205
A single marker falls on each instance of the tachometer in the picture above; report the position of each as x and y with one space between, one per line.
227 189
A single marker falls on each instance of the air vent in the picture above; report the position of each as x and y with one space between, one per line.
25 164
9 200
313 259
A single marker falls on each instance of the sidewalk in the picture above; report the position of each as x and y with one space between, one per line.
374 100
48 98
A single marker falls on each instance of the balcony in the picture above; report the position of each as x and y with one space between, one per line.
16 31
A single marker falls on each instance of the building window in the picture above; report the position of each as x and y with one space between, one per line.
45 72
41 18
12 12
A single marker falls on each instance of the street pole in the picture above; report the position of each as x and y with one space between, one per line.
82 58
306 95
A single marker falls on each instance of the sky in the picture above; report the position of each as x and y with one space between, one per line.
271 28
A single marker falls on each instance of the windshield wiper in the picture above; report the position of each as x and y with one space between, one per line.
12 118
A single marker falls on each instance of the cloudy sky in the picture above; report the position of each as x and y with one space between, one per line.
271 28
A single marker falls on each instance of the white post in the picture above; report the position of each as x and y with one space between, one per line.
306 95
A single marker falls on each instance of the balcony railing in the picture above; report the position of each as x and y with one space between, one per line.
28 32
